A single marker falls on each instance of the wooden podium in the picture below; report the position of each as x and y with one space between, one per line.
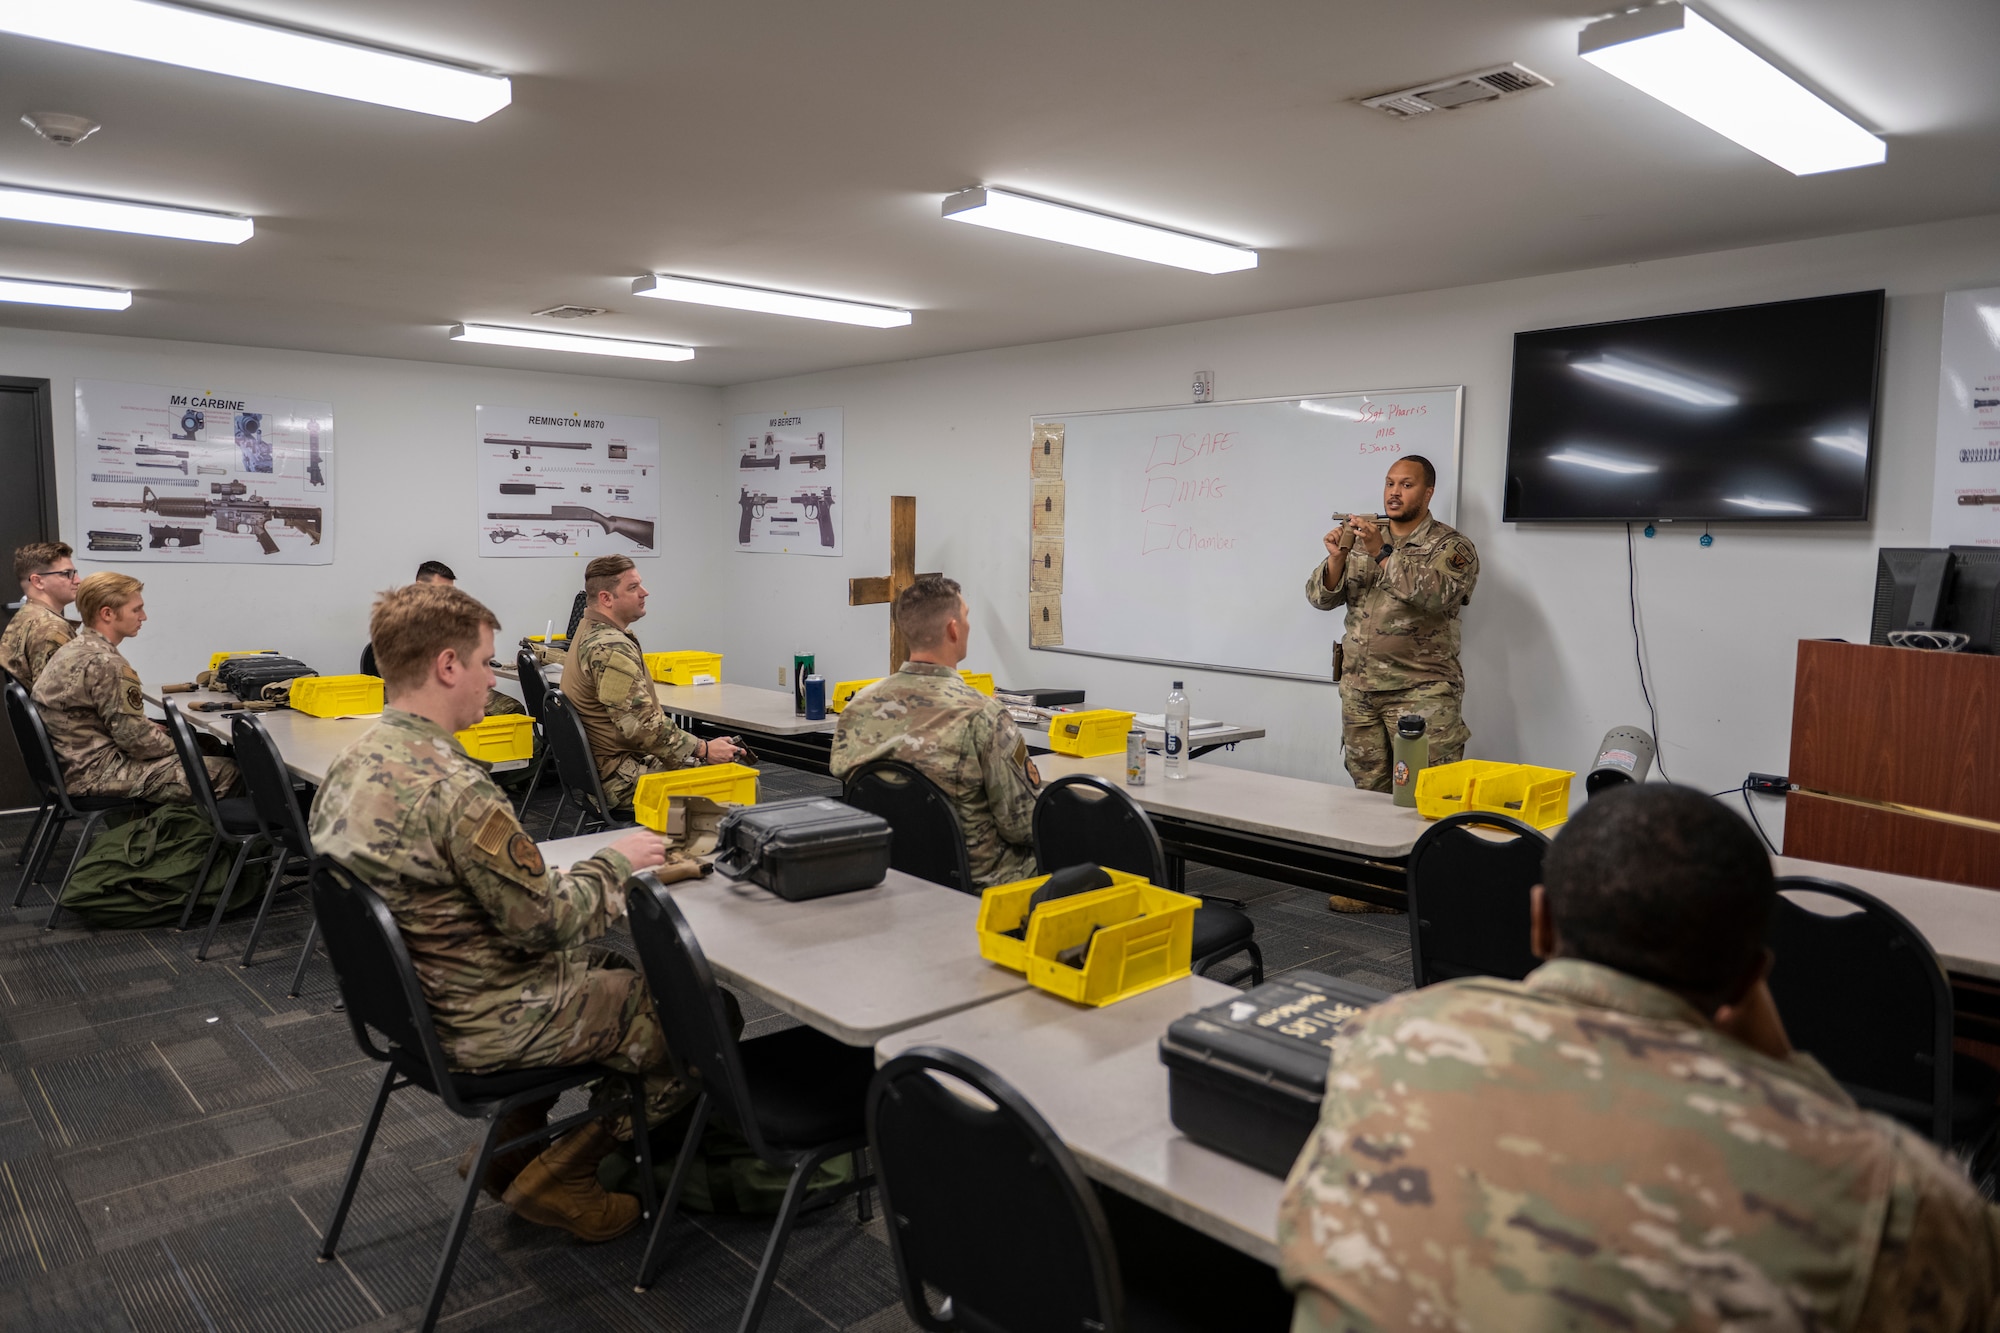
1896 761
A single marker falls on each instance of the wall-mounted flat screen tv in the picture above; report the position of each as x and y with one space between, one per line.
1759 412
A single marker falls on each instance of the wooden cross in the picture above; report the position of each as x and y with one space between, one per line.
902 573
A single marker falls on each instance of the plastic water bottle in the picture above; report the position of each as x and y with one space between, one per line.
1177 733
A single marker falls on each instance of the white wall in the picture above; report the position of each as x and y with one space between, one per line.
1548 644
403 483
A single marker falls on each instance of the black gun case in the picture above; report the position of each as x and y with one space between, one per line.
812 847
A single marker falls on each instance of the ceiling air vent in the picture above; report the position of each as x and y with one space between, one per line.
571 311
1486 85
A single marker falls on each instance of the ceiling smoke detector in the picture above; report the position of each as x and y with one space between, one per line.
1485 85
60 128
571 311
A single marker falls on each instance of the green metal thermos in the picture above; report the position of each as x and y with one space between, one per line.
1411 752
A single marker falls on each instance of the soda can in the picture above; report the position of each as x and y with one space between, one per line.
802 666
1135 758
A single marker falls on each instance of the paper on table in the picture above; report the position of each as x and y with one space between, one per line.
1158 722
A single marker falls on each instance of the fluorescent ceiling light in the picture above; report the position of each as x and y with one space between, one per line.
1581 459
1848 442
1766 506
218 44
1670 52
81 210
63 293
664 287
541 340
1327 409
1652 379
1027 216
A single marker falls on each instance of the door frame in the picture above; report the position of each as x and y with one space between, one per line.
45 454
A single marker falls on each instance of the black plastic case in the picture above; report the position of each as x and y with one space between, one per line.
808 848
246 677
1245 1076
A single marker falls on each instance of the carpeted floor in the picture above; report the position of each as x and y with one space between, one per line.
173 1136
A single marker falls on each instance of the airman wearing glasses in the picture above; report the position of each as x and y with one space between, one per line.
48 577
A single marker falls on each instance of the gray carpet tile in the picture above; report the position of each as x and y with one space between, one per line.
174 1133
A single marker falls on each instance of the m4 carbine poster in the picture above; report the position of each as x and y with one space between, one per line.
564 482
202 476
788 492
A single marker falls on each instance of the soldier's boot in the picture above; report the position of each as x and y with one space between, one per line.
560 1189
500 1172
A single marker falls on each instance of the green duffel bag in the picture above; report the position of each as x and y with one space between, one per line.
137 874
725 1176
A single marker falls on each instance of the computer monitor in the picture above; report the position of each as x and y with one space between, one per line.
1975 597
1912 589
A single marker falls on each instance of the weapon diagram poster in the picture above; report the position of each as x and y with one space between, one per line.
567 482
788 481
202 476
1965 504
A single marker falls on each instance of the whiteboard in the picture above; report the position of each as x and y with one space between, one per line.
1184 535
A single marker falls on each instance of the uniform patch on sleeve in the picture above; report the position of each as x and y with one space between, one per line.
134 701
493 834
521 850
1459 554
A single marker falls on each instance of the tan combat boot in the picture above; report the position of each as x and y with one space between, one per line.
500 1172
560 1189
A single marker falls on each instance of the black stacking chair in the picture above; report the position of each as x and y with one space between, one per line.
280 823
928 841
379 986
995 1228
1082 818
1863 993
45 771
232 819
1469 898
576 767
368 659
534 694
46 809
796 1096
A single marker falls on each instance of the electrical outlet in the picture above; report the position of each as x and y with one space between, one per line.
1771 784
781 678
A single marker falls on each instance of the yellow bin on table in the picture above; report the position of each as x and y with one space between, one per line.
1537 796
685 668
979 680
731 784
336 696
1089 733
1138 937
1005 906
217 659
498 740
837 698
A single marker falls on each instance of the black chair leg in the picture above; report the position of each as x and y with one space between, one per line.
690 1147
34 832
864 1209
455 1238
305 956
235 869
263 909
90 822
37 855
275 859
327 1246
1256 963
562 799
642 1145
781 1231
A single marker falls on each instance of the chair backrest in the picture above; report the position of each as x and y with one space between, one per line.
270 785
928 841
1864 994
575 765
192 767
693 1015
368 659
986 1206
378 983
1084 818
1468 898
38 752
534 684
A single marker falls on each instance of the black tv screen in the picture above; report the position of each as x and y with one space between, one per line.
1759 412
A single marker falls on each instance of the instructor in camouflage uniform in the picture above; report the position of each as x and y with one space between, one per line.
498 939
1403 591
606 682
96 711
1626 1140
48 578
928 717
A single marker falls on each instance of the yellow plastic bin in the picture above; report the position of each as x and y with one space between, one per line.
1444 790
1092 732
1002 908
497 740
979 680
337 696
731 784
217 659
1538 796
1139 937
839 695
685 668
